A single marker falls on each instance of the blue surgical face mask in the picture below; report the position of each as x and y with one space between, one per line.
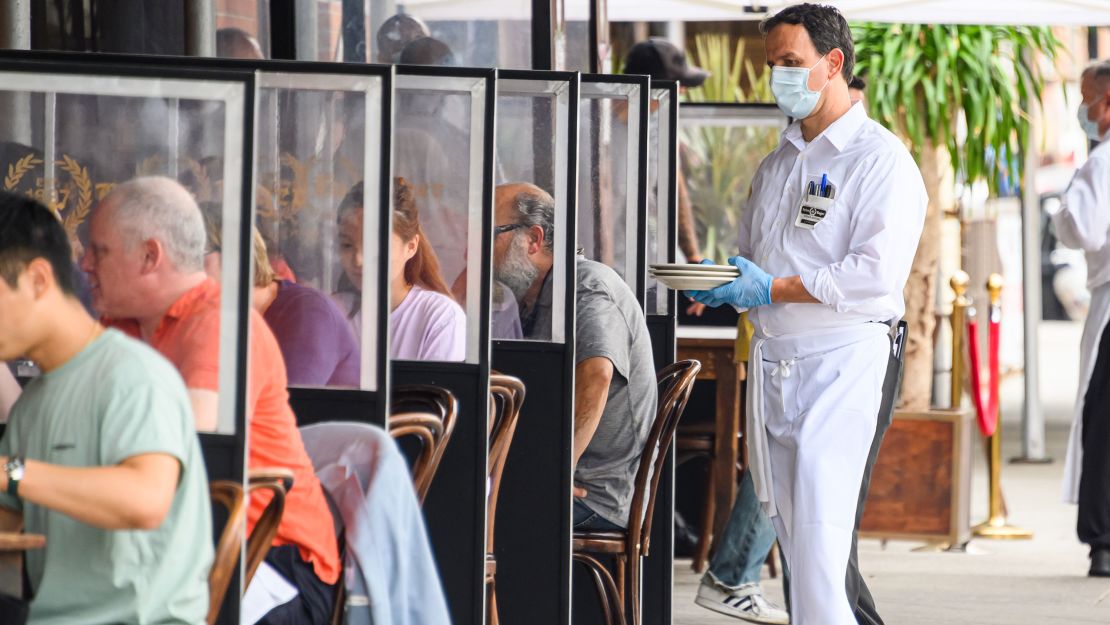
1090 128
792 93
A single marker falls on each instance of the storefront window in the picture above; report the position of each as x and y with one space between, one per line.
465 33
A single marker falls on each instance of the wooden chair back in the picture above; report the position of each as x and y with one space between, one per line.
675 383
229 495
506 399
427 413
278 481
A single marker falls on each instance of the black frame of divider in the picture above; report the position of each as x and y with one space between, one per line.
533 536
310 404
659 566
455 508
225 455
639 285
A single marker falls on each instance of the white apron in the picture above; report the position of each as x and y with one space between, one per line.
1097 317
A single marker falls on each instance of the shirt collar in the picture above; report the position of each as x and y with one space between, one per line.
183 307
839 133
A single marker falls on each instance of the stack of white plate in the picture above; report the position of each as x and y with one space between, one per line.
685 277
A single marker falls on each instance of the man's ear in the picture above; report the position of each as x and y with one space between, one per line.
40 276
836 62
154 254
535 240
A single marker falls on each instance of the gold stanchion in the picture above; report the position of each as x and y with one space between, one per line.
996 525
959 283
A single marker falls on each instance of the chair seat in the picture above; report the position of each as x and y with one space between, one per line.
601 542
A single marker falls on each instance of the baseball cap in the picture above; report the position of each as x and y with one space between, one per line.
662 60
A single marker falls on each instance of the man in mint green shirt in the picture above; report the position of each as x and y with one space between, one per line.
100 453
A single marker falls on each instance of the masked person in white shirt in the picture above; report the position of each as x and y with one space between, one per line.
1083 222
827 238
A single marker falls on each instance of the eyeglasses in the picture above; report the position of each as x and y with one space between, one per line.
506 228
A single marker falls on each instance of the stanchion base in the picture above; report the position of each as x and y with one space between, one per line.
1028 460
998 529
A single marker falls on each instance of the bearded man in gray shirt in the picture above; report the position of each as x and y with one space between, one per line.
615 387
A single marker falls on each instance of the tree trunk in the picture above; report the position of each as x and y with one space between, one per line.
920 291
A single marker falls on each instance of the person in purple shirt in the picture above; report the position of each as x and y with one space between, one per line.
317 343
425 323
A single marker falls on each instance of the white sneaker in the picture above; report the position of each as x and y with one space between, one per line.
745 603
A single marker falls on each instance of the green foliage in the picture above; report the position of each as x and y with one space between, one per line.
720 158
922 78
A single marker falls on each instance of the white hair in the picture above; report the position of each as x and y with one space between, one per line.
157 207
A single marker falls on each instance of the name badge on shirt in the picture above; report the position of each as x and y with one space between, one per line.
817 199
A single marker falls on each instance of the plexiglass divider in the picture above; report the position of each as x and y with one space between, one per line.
661 320
537 137
76 130
441 254
308 154
613 174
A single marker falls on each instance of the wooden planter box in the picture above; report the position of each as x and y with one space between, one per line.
921 483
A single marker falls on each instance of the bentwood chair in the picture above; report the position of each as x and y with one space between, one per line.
278 481
229 495
426 413
506 399
620 594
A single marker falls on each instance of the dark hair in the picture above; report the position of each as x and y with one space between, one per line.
857 83
28 230
827 29
427 51
234 43
395 33
423 268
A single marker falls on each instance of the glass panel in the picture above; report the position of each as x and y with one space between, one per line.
608 147
576 56
659 199
436 251
243 29
70 143
532 149
317 206
467 33
332 30
721 147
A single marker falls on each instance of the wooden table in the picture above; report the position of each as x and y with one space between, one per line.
715 347
12 546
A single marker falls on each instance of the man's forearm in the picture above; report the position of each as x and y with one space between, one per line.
130 495
791 291
591 392
687 233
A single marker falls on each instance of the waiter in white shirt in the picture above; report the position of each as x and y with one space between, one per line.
827 238
1083 222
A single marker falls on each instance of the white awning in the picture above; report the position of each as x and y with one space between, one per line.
1011 12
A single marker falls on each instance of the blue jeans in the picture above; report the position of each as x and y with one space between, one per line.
586 519
747 539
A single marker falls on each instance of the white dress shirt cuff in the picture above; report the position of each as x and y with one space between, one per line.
820 285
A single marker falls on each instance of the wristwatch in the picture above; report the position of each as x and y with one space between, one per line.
14 469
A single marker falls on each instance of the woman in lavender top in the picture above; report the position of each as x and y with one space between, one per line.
424 322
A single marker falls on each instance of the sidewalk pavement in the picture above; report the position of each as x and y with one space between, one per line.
1037 582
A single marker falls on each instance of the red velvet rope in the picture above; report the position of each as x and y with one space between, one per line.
988 415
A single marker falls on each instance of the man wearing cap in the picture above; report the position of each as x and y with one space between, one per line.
661 60
827 238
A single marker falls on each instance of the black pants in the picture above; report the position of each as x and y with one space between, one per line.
1093 525
859 597
314 600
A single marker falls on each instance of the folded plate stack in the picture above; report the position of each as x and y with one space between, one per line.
685 277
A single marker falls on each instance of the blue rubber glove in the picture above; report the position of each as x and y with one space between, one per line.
751 289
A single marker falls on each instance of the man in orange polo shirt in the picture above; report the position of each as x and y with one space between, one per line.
145 262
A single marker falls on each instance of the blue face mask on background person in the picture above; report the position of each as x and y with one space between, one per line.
792 93
1089 127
